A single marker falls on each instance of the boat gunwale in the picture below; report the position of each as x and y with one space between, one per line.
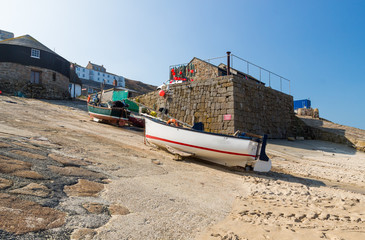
107 108
108 116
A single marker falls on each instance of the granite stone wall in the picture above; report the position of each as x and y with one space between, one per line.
262 110
16 78
226 104
204 70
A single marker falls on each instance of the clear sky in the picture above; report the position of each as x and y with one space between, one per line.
318 44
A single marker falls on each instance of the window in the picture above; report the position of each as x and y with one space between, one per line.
35 53
83 75
35 77
54 76
83 69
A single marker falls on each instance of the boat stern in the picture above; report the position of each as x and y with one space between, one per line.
263 164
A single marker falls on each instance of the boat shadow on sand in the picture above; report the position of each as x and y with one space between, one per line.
274 174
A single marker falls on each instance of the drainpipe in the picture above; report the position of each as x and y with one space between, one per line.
228 63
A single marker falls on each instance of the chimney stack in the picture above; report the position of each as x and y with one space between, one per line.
228 63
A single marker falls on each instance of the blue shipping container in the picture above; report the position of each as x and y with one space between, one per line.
305 103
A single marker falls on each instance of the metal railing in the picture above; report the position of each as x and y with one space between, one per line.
245 68
261 70
259 74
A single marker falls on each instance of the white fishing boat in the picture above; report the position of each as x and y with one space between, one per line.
218 148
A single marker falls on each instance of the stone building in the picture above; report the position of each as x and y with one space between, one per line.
29 68
225 103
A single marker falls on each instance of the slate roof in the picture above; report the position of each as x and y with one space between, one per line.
239 73
74 78
93 84
27 41
94 66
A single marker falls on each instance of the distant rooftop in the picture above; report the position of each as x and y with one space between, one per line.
96 67
5 35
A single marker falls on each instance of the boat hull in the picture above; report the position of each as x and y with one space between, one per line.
221 149
136 121
109 115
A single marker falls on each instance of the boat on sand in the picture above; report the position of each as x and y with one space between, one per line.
244 151
112 115
116 108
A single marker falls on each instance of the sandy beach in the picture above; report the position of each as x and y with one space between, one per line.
97 181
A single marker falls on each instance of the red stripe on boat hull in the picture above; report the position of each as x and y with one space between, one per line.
204 148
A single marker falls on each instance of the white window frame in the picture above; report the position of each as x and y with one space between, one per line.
35 53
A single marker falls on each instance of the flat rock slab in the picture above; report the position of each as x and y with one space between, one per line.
67 161
75 171
96 208
116 209
33 189
360 145
84 188
25 145
29 155
20 216
28 174
83 234
4 145
5 183
9 165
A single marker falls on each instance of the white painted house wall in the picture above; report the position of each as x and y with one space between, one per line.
75 90
97 76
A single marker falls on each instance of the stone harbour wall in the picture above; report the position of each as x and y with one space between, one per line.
199 101
226 104
16 78
262 110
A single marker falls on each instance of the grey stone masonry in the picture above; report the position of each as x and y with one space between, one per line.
16 77
262 110
226 104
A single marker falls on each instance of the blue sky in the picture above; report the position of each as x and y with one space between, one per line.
319 45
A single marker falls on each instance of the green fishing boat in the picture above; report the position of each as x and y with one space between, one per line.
115 108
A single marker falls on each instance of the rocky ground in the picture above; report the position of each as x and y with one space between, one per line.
63 176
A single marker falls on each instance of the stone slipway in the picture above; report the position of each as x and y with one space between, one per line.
63 176
329 131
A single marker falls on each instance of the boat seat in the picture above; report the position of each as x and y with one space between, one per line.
243 135
199 126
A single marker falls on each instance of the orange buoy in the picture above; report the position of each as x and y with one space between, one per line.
172 121
162 93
